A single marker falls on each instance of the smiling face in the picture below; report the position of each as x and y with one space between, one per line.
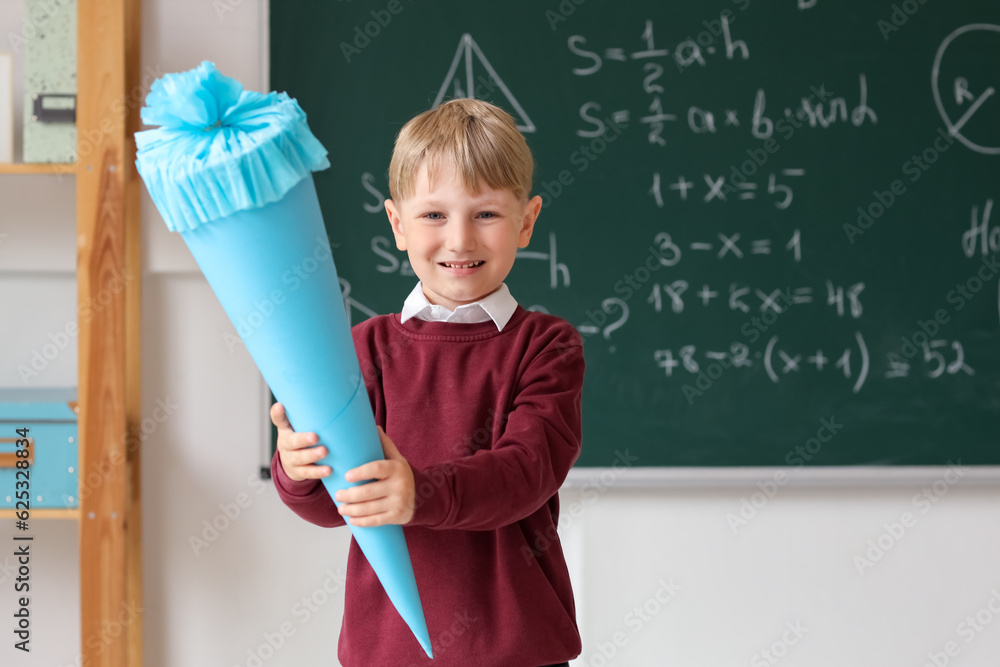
460 244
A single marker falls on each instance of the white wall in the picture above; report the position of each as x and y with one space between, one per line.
734 591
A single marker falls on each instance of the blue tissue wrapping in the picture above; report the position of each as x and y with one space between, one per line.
220 149
231 171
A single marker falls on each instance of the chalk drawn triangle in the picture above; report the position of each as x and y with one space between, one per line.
463 84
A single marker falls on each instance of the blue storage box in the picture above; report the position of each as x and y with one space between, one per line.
50 415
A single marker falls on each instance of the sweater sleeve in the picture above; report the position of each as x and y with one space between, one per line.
307 498
526 465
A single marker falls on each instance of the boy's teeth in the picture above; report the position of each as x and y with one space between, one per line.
462 266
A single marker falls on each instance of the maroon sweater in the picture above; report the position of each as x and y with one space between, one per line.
490 424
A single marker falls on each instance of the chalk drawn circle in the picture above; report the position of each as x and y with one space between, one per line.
987 150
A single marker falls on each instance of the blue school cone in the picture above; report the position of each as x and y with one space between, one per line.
231 170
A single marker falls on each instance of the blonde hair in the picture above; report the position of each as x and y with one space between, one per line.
481 140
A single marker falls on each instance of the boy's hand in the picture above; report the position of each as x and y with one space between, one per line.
293 449
387 500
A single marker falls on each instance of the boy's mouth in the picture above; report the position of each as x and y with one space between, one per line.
464 265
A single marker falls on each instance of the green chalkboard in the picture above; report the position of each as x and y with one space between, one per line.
771 221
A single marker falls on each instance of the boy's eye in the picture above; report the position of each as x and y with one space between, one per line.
487 214
434 216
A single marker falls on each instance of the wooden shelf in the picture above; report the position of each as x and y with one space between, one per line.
72 513
108 231
40 168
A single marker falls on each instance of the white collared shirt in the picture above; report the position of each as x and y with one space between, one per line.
498 306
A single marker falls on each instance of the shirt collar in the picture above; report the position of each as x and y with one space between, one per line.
498 306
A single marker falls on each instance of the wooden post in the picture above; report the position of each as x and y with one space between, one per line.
108 286
133 338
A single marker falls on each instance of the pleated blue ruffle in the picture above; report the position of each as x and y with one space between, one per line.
220 149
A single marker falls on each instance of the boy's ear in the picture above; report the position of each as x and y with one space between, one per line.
531 211
395 223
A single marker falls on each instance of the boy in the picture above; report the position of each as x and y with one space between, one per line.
477 402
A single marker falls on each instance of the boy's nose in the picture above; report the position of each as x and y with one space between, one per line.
460 236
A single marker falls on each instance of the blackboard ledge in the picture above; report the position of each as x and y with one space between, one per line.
799 476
